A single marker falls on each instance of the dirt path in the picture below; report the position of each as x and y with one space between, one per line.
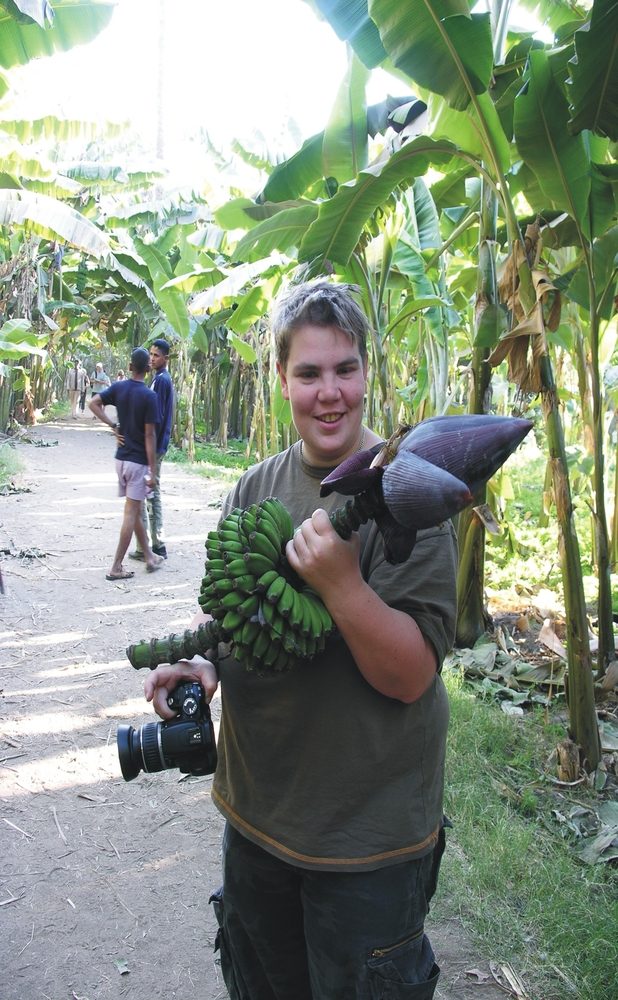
104 884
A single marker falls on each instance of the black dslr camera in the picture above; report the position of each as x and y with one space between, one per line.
187 742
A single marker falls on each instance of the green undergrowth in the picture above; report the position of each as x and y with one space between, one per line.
523 560
10 464
213 462
508 873
57 410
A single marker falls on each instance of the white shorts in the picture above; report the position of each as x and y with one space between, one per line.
132 480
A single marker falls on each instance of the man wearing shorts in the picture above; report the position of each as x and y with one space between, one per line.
136 433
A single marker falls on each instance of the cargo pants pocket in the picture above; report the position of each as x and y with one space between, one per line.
234 986
403 971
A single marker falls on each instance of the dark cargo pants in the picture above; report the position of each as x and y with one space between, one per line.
288 933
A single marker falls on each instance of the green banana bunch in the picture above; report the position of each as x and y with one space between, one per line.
417 479
262 606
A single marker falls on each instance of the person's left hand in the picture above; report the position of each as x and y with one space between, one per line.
323 559
161 682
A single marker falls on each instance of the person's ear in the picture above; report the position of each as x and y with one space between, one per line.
285 391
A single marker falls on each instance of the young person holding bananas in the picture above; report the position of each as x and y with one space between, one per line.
330 773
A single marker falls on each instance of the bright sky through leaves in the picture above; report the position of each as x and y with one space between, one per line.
228 68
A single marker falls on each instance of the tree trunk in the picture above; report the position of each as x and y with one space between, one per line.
472 617
582 714
607 649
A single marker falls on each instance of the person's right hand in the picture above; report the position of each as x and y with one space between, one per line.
162 681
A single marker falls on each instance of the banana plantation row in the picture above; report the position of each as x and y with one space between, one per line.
475 212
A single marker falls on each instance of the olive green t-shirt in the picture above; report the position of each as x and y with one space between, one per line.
315 765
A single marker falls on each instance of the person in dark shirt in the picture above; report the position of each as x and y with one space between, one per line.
138 413
152 514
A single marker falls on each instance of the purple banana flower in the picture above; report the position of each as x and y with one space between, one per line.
425 475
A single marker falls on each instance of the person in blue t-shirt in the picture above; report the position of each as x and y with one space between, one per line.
138 413
152 513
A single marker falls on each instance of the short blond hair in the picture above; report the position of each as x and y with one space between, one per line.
319 303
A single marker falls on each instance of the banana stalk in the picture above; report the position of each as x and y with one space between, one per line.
419 478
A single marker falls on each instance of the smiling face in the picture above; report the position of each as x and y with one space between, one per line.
324 380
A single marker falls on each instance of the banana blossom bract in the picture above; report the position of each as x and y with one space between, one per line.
426 474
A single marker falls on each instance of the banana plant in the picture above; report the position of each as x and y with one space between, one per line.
17 342
30 29
386 251
571 168
39 205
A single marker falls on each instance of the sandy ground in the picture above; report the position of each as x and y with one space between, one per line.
104 884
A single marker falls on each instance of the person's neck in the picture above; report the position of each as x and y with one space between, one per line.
335 462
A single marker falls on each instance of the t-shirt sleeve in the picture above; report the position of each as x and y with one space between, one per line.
424 586
152 409
108 396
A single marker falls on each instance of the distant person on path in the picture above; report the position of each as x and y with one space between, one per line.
120 376
162 386
137 409
75 384
99 380
82 398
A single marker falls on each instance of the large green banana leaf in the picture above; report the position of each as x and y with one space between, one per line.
17 340
282 232
197 280
251 307
53 220
172 302
559 160
232 285
335 233
604 254
61 26
553 13
40 11
300 174
58 129
105 175
243 213
593 87
58 187
344 150
21 167
438 44
295 176
478 129
351 20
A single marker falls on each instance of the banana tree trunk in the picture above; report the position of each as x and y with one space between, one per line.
614 541
472 617
582 714
227 397
191 417
607 647
379 365
6 401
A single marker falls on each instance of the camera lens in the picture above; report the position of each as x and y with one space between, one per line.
139 750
